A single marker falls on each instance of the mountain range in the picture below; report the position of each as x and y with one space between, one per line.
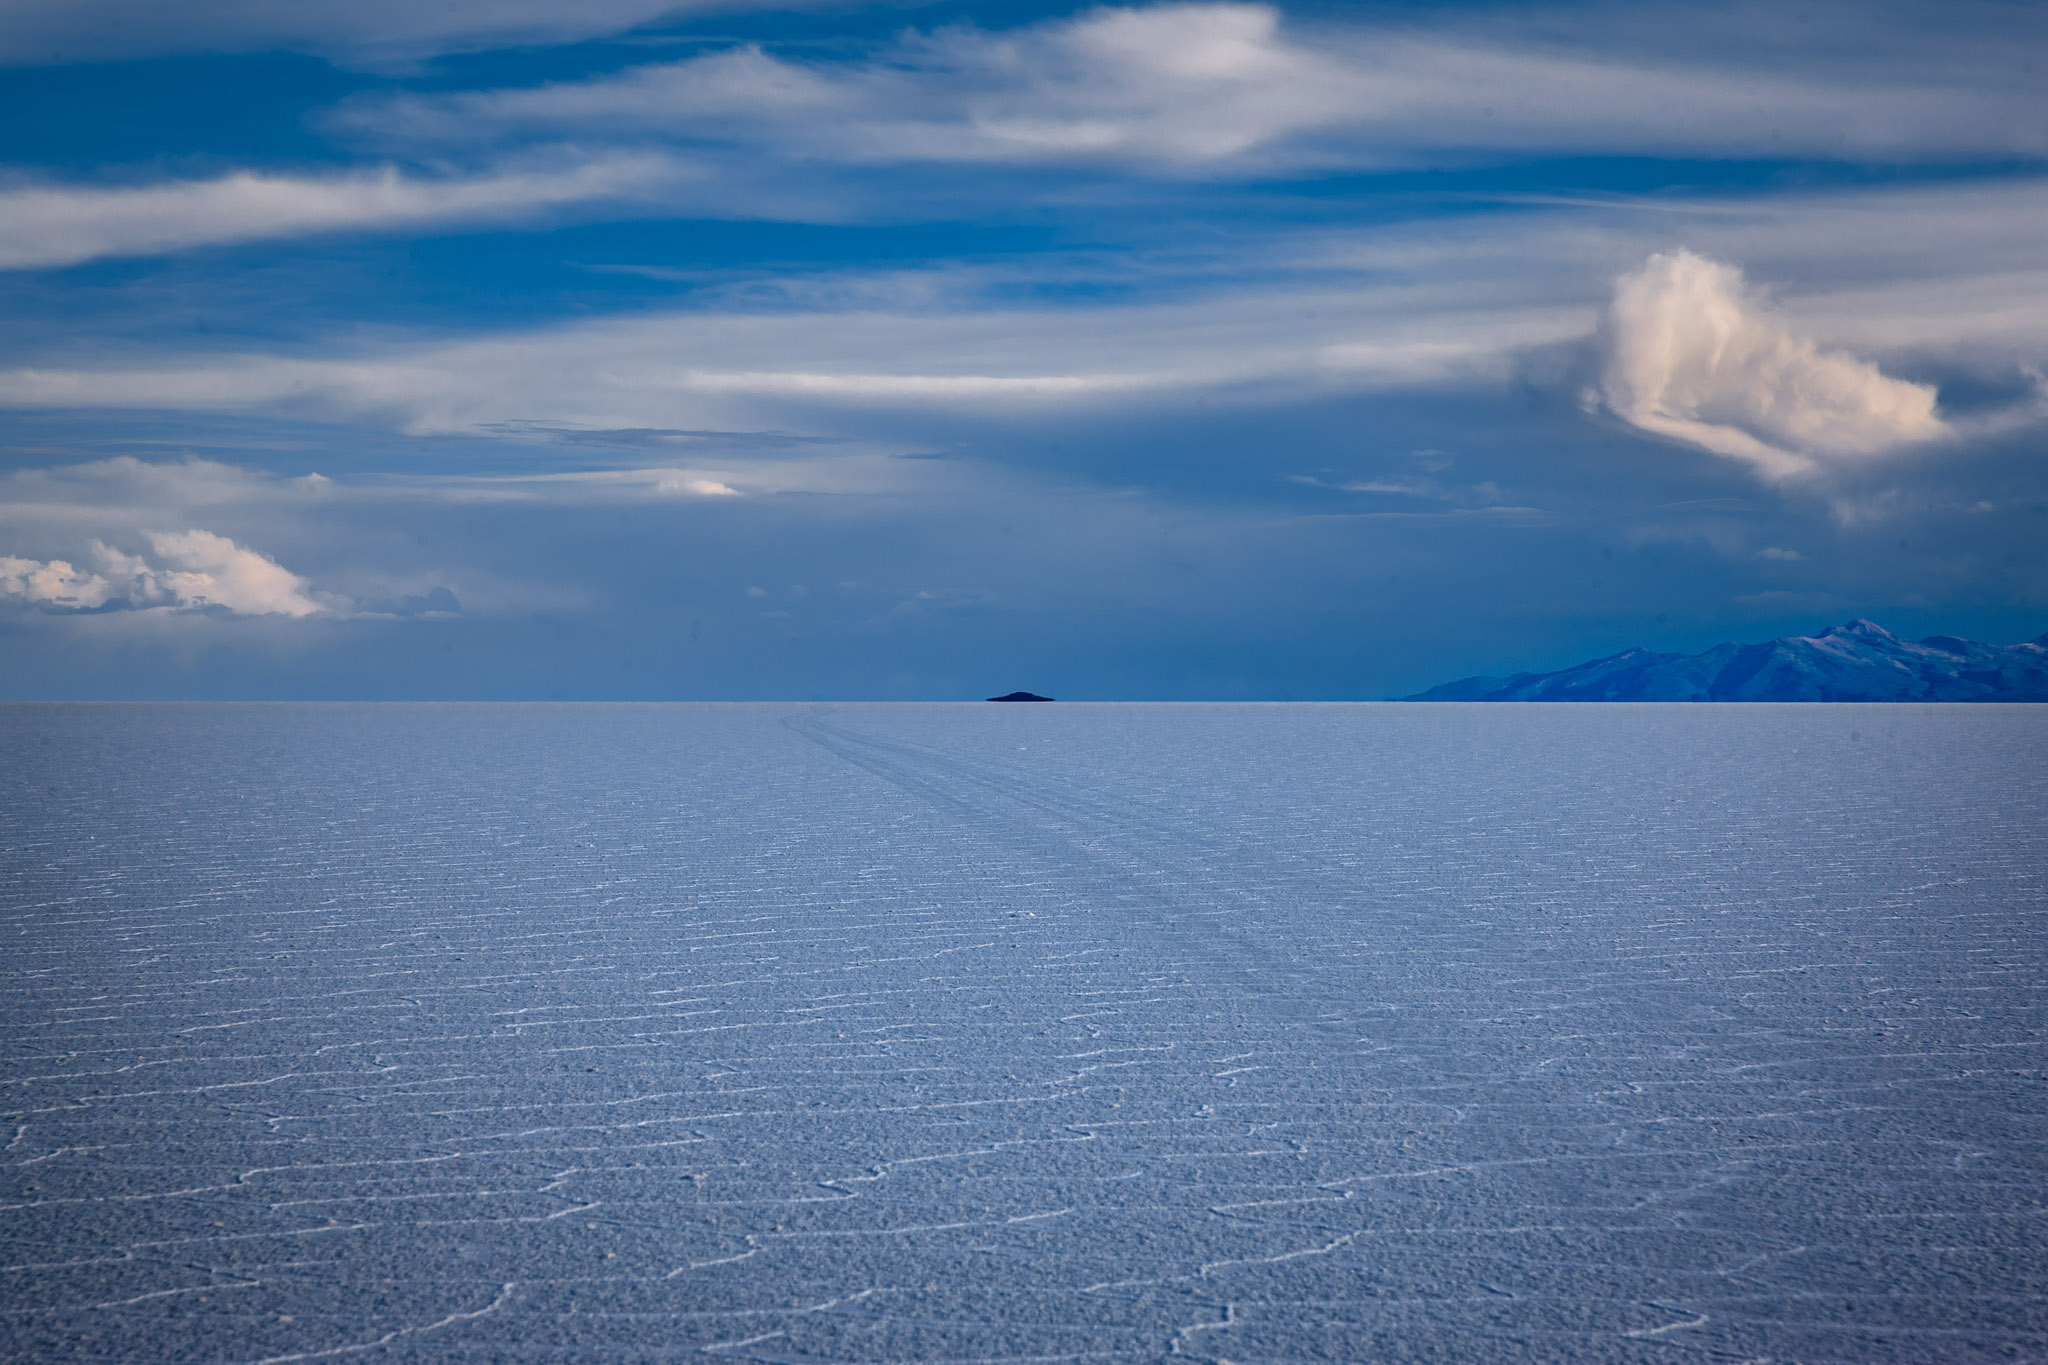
1860 661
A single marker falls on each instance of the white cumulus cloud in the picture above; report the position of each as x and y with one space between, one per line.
194 569
53 583
1696 355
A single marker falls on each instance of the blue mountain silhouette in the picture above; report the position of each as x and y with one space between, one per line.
1860 661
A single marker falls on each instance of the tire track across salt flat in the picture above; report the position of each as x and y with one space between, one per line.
1131 856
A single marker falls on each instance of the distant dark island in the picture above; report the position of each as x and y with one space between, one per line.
1861 661
1021 696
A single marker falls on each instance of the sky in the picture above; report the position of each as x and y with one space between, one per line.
641 350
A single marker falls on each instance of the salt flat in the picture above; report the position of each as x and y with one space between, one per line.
807 1032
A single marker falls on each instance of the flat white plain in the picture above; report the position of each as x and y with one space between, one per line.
792 1032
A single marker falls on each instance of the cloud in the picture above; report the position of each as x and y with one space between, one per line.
1179 82
600 485
197 569
1190 89
711 369
91 538
46 225
932 341
1695 355
365 32
212 570
53 584
440 601
126 500
1931 271
1231 87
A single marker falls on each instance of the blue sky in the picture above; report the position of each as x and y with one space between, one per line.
641 350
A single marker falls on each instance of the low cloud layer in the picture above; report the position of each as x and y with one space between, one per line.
193 570
1695 355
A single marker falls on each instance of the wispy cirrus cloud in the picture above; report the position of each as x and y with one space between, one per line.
724 369
58 225
1233 88
361 32
1177 90
1889 275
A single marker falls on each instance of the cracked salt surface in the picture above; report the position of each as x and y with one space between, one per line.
801 1033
